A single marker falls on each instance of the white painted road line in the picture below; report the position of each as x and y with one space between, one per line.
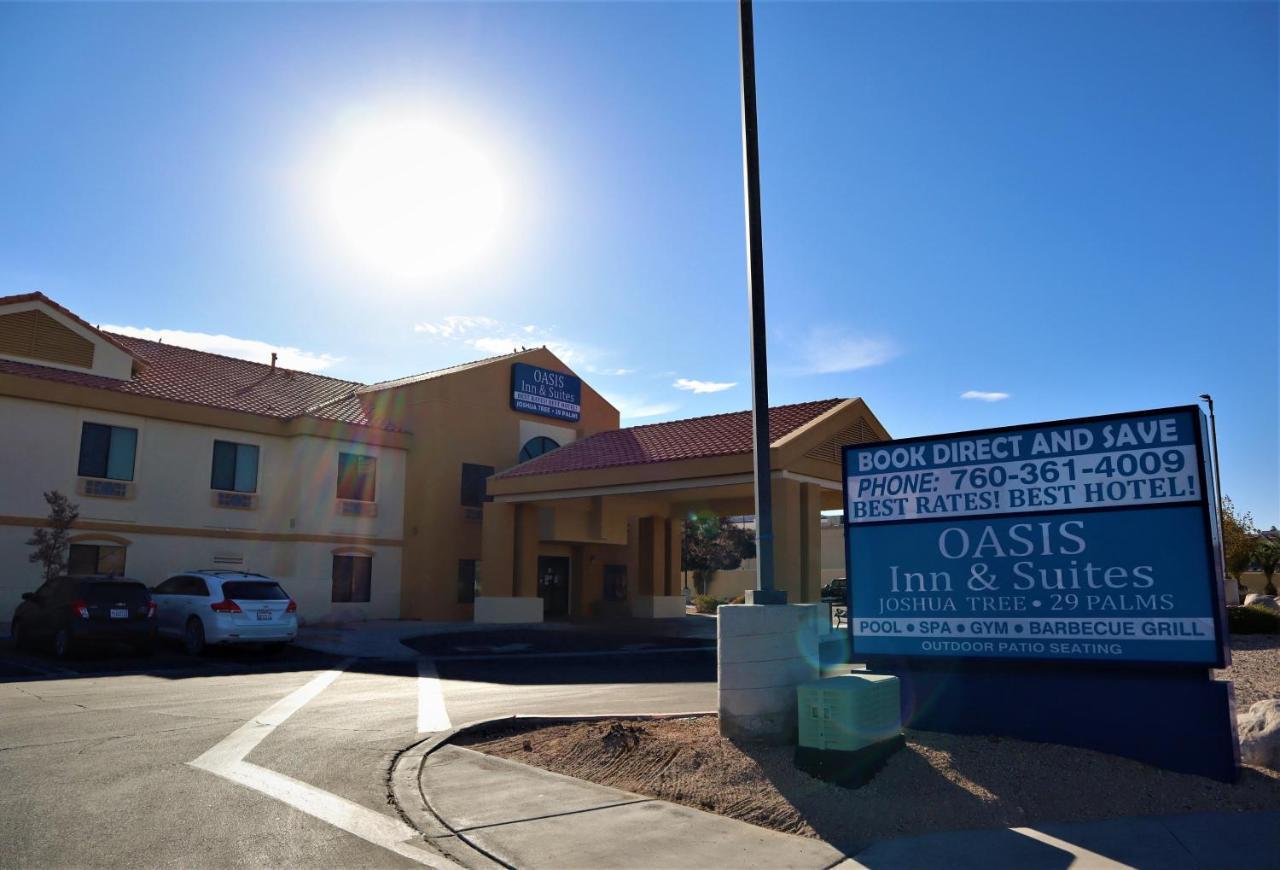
226 760
239 743
432 715
369 825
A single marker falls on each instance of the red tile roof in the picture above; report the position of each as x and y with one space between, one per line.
194 377
697 437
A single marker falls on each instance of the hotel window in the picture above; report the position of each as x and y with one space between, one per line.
107 451
536 447
473 477
357 477
352 578
95 559
466 581
235 467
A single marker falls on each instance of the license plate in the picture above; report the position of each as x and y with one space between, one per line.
119 613
264 614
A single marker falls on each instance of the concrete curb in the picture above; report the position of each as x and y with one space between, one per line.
404 780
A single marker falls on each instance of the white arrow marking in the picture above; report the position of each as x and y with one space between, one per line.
226 760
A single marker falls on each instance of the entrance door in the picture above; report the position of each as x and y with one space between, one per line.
553 585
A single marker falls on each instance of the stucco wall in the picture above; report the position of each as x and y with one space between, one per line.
171 521
466 417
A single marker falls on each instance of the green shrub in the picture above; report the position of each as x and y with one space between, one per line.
705 603
1253 620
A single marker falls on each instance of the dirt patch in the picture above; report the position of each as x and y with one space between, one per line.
939 782
1255 668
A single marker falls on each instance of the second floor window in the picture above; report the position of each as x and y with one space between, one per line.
473 478
235 467
107 451
357 477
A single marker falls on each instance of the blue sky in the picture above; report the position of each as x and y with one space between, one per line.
1074 204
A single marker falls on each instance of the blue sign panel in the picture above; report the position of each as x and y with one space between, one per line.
1081 540
545 392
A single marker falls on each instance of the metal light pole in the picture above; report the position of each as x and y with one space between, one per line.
1217 481
764 593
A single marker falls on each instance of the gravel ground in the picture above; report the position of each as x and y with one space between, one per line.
953 782
1255 668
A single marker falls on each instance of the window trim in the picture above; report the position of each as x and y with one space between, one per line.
98 546
373 484
536 439
235 464
106 471
351 589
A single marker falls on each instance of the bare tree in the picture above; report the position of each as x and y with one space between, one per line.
50 542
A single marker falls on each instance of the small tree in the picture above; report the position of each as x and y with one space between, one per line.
1239 539
1267 554
50 543
713 543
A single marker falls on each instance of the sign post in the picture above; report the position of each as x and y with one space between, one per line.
1053 582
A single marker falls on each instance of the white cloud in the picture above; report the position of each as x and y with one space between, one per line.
492 337
457 325
982 396
829 351
695 386
227 345
633 408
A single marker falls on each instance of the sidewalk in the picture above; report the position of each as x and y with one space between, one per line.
531 818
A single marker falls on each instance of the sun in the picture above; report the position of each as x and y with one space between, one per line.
411 197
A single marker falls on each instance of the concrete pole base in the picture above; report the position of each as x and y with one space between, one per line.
763 653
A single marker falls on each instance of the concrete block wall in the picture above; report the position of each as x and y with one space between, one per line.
763 653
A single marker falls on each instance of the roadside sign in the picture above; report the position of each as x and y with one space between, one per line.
1078 540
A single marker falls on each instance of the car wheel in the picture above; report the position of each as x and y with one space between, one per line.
63 645
193 637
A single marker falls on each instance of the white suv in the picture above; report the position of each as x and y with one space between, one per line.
224 607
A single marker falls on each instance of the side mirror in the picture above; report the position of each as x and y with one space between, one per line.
28 596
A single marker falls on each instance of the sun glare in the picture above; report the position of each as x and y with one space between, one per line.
412 198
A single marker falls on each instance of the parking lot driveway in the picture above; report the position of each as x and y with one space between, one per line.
238 759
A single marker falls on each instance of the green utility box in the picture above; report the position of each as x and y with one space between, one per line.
849 712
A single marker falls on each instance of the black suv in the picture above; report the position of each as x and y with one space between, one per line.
72 611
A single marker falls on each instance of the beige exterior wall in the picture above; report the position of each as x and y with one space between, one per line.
170 520
466 417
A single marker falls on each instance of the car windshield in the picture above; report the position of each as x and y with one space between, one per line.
253 590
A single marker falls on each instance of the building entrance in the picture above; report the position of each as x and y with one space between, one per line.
553 585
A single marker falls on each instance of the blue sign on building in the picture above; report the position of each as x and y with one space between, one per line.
1080 540
545 392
